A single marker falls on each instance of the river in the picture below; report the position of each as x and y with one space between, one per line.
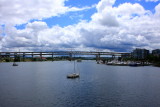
44 84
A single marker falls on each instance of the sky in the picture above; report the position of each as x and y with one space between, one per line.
80 25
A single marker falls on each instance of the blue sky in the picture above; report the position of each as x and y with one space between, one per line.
81 3
107 25
70 17
74 17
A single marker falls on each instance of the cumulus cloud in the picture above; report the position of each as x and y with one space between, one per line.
105 14
38 34
120 28
103 4
18 11
128 10
157 9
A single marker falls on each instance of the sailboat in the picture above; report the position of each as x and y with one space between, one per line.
14 64
73 75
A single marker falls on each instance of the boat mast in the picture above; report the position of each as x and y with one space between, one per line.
74 63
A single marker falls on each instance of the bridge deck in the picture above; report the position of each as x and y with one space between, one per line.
63 53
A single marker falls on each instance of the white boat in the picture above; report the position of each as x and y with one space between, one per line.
134 64
109 63
73 75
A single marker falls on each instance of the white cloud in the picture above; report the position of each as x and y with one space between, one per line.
105 14
128 9
111 28
21 11
72 9
103 4
157 9
113 16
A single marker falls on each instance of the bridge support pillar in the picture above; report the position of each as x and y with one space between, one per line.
70 56
23 56
32 55
15 57
98 58
0 58
113 56
41 56
52 57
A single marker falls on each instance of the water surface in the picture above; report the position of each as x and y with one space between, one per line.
44 84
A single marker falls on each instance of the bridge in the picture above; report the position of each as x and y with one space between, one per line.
62 53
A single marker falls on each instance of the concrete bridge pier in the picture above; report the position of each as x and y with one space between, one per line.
41 56
32 55
70 56
23 56
15 54
113 56
52 57
98 58
0 57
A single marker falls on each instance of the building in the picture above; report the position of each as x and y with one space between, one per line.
156 52
140 53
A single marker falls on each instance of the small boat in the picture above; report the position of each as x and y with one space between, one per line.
134 64
98 62
74 75
79 60
14 64
109 63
